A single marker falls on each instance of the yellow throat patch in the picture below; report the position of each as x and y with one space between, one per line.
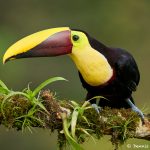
93 66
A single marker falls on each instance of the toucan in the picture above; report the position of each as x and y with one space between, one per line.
111 73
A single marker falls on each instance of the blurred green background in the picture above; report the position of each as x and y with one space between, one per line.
116 23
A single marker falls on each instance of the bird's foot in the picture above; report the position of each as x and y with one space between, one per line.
97 108
136 109
139 112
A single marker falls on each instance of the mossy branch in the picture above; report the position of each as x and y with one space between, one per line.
74 122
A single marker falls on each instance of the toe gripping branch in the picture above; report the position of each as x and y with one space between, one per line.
136 109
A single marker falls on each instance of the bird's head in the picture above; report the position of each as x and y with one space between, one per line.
47 43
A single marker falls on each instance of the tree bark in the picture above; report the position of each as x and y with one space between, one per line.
20 113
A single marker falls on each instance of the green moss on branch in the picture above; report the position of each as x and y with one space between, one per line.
19 112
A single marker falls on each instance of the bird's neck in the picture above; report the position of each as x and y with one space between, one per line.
92 65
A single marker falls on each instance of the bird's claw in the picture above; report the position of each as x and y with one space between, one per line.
97 108
136 109
139 112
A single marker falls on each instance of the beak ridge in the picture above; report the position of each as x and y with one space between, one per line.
50 42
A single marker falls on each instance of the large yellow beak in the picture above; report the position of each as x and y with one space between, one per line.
50 42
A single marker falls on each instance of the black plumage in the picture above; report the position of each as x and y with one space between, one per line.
124 81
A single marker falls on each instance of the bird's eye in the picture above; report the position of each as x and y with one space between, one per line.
75 37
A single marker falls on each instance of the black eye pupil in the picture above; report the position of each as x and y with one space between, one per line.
75 37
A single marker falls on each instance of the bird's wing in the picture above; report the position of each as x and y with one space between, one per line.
127 72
